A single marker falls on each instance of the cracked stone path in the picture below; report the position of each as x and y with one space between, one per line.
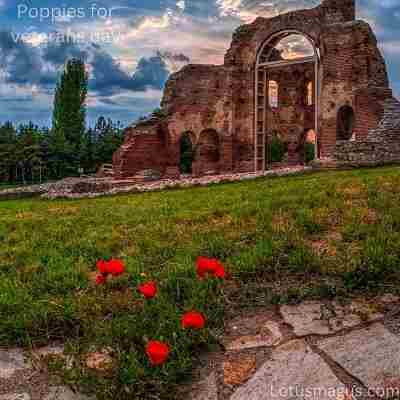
314 350
23 376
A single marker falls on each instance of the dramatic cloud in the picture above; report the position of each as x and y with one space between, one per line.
173 61
108 76
151 73
18 60
58 53
248 10
26 64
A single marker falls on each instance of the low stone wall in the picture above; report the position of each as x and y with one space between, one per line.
22 192
367 153
382 146
163 184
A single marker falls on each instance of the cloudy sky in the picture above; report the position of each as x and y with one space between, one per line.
131 47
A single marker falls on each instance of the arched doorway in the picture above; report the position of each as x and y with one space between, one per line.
186 153
286 96
208 152
345 123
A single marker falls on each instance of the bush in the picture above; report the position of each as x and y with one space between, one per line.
309 150
277 149
187 154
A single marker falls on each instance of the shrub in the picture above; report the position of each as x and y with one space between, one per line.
277 149
309 150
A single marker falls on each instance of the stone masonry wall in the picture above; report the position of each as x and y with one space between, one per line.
381 146
145 148
353 74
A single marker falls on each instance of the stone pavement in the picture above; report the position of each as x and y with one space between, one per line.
314 350
23 376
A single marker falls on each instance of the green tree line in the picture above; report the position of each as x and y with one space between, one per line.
29 153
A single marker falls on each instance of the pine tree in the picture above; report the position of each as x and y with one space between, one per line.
28 151
69 113
8 146
87 154
109 138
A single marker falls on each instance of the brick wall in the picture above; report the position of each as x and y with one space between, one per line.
199 98
145 148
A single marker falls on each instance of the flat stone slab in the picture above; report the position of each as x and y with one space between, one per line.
15 396
206 389
294 372
372 355
268 334
315 318
11 361
64 393
306 319
237 371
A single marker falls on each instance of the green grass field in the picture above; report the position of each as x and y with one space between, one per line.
327 234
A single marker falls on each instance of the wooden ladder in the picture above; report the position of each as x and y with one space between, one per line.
261 119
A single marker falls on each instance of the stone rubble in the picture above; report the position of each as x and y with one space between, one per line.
186 182
76 188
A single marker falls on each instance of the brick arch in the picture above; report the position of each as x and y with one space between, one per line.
207 153
274 38
345 122
186 145
243 53
310 22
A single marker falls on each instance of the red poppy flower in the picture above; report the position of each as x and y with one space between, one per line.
116 267
102 266
220 272
101 279
210 266
193 320
205 266
148 290
158 352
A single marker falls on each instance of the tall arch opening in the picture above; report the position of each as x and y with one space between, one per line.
309 94
286 98
208 152
186 153
345 123
273 94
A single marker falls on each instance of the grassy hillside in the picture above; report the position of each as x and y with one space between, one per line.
282 240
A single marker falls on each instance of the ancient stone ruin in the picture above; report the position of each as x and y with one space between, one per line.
310 77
